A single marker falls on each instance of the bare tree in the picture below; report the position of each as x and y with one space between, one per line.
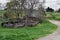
29 7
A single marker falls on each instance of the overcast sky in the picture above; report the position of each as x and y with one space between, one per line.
4 1
55 4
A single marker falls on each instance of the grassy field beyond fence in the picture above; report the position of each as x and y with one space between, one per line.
55 14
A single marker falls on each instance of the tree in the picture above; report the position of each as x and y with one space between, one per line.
58 10
30 8
49 9
15 6
24 4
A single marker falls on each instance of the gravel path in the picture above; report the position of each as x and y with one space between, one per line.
55 35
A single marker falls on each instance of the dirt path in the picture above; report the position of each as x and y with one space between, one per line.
55 35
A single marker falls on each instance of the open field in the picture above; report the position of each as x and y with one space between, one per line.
55 14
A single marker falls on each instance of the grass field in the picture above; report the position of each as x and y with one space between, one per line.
27 33
2 12
56 15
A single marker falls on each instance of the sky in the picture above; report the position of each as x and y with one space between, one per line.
3 1
55 4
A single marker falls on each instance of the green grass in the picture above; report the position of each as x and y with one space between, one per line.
27 33
57 15
2 12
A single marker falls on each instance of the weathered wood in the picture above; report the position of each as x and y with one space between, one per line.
20 23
